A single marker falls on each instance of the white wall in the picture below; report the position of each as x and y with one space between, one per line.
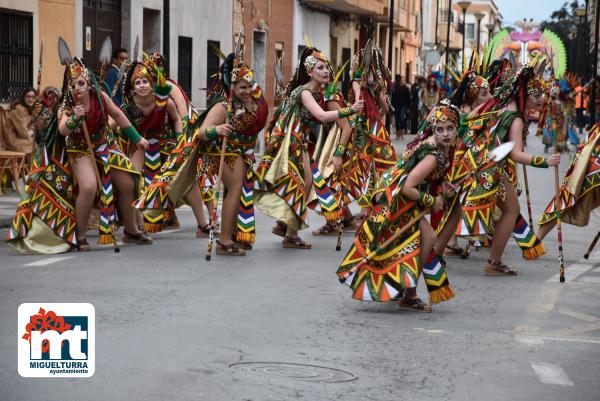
315 24
201 20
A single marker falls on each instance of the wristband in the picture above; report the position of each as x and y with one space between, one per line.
539 161
346 112
211 132
340 150
73 123
131 133
426 199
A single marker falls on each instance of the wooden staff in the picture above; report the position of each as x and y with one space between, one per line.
99 182
592 245
561 262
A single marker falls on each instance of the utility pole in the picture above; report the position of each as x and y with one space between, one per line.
595 62
390 53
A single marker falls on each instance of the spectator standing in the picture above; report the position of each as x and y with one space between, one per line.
119 56
415 105
401 103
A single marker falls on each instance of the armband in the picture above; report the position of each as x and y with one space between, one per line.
346 112
131 133
73 123
340 150
211 132
426 199
539 161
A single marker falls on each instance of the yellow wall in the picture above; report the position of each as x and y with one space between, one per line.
56 18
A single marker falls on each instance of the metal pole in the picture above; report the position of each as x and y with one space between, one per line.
464 32
437 18
448 38
166 34
595 62
478 33
388 120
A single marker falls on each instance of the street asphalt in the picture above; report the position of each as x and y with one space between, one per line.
277 325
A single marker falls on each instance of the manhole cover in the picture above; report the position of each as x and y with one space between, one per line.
295 371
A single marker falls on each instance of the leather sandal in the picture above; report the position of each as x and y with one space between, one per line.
82 245
413 304
138 239
203 231
243 245
498 269
172 224
327 230
295 243
229 249
280 228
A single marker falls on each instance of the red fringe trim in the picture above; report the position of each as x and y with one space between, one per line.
246 238
441 295
333 216
153 227
105 239
534 252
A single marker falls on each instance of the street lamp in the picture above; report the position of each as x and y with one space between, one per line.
490 28
464 5
448 38
479 17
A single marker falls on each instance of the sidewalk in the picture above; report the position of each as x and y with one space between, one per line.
8 206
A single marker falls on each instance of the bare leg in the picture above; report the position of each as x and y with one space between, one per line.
448 230
427 243
83 170
307 187
138 158
194 197
124 188
233 181
504 226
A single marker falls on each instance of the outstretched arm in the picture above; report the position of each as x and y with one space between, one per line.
327 116
518 154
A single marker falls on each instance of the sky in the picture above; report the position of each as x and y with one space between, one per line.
514 10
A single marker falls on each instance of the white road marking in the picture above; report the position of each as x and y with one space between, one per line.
551 374
529 340
596 270
589 280
48 261
577 269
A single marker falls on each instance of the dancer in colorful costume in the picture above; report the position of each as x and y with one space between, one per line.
473 91
472 213
239 111
400 196
62 184
149 108
552 120
155 200
580 189
373 143
336 160
286 174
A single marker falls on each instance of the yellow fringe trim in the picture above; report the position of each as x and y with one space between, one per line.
247 238
153 227
441 295
105 239
333 216
534 252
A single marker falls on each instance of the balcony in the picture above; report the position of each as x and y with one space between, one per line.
355 7
455 36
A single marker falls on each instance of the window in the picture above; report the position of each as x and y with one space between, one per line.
212 63
151 30
444 15
184 64
470 31
16 53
